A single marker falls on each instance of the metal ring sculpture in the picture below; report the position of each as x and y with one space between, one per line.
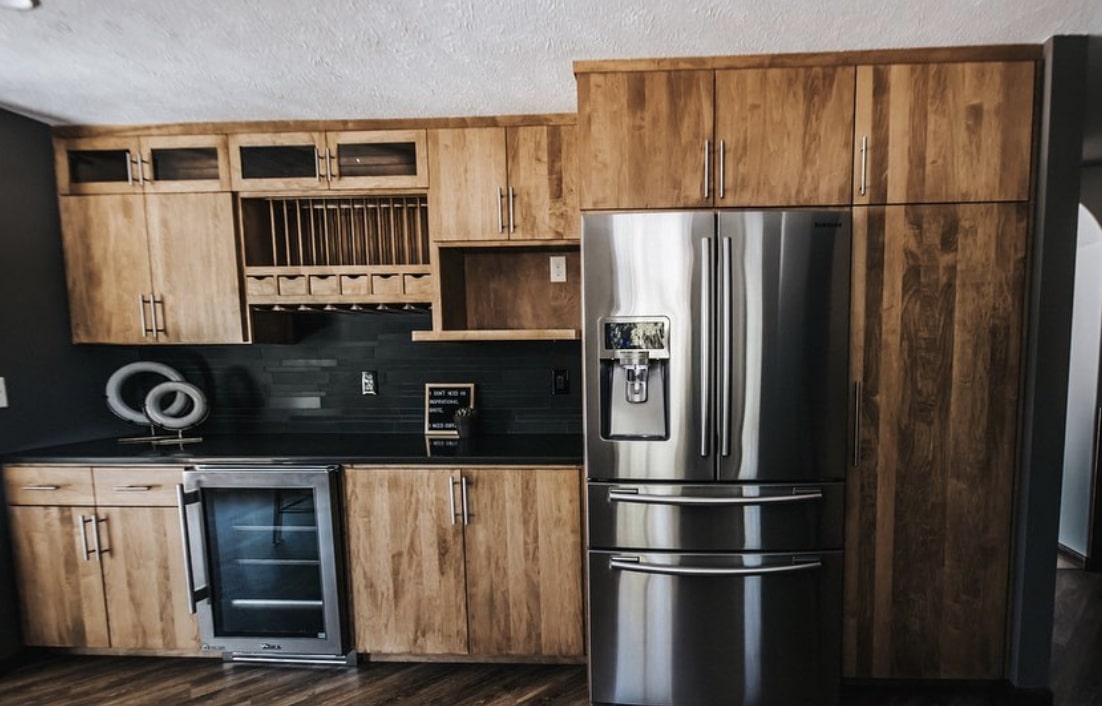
174 421
119 406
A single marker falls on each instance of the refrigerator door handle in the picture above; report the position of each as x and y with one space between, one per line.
194 595
632 563
620 495
725 284
707 274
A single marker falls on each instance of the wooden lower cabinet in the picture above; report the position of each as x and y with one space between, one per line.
938 296
98 577
492 572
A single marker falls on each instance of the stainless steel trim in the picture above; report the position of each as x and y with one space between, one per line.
707 266
463 492
512 199
451 496
317 163
185 534
722 168
129 169
620 495
141 313
629 563
84 537
95 535
500 216
132 488
274 603
1097 436
856 423
864 163
725 345
707 170
41 487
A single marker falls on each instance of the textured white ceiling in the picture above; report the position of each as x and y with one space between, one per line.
157 61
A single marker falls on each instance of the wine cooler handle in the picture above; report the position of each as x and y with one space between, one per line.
194 595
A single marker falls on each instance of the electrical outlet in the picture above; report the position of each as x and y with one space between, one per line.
560 382
558 268
3 393
369 383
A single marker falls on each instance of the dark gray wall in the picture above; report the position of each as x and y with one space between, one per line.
55 390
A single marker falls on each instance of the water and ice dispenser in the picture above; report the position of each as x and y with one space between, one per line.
635 357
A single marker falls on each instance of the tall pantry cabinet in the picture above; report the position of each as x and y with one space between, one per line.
932 151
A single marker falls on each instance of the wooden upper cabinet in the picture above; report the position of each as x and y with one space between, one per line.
645 139
158 268
120 165
937 321
375 159
107 268
784 136
543 186
524 562
943 132
469 184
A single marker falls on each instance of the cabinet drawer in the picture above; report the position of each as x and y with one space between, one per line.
146 486
48 485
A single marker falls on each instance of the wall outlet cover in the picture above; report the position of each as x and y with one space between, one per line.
558 268
560 382
369 383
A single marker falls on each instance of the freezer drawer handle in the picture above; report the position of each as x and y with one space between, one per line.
631 563
630 495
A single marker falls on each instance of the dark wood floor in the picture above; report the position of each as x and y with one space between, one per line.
56 680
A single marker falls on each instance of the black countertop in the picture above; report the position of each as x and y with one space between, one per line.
487 449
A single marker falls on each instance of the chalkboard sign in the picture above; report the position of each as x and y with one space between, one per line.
441 401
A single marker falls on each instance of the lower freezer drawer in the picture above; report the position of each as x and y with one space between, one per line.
719 629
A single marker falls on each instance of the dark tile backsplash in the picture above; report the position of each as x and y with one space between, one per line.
313 385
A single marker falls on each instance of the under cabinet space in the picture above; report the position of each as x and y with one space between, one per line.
506 293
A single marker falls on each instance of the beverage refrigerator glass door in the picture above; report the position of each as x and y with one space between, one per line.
264 559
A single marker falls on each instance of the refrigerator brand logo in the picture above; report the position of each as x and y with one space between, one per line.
819 224
270 646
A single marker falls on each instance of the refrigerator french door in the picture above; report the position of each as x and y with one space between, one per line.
716 407
263 560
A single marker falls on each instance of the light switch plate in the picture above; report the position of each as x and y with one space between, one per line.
558 268
3 393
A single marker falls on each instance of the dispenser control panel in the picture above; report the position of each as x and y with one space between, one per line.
636 333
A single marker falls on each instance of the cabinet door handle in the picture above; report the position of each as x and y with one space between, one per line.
463 493
95 536
141 312
84 537
153 302
141 170
864 164
328 166
707 170
722 168
857 423
129 169
512 223
42 487
451 497
317 164
500 206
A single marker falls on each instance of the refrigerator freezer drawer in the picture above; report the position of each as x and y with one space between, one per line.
716 517
732 629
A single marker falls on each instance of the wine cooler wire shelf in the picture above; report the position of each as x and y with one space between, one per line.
336 232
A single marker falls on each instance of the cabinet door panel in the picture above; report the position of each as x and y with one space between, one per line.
97 165
937 312
641 139
378 159
524 557
185 163
193 254
106 266
787 136
543 178
61 592
406 562
143 577
277 160
468 172
944 133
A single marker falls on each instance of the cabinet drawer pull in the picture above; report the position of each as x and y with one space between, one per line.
84 537
132 488
864 164
42 487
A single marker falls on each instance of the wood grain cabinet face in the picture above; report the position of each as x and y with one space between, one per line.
943 132
936 345
508 582
784 136
122 165
95 576
313 161
153 268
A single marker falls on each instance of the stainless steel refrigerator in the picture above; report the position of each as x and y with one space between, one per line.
716 409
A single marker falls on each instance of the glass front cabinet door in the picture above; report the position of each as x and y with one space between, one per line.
121 165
